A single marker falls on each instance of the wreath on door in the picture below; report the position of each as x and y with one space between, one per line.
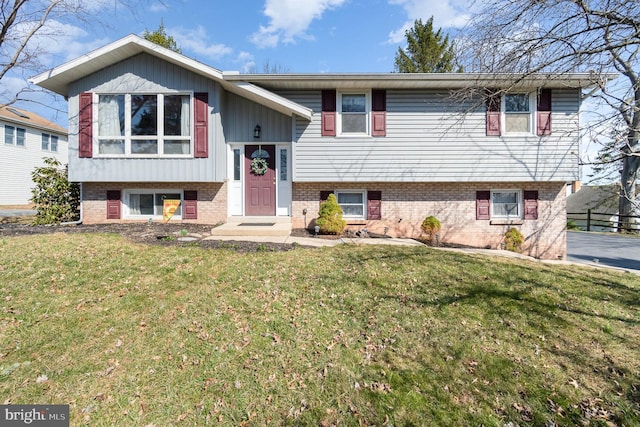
259 166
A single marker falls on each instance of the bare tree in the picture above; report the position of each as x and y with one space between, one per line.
560 36
28 26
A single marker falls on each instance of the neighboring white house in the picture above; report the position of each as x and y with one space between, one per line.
25 140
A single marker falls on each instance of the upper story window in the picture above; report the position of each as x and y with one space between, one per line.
353 115
14 136
518 109
144 125
49 143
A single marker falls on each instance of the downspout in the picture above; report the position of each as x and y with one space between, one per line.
78 222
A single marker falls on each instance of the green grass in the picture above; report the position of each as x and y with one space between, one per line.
148 335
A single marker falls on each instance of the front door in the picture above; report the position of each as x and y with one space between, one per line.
260 180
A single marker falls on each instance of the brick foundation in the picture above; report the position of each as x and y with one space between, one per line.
212 200
405 205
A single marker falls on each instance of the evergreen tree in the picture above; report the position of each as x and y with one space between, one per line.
161 38
426 52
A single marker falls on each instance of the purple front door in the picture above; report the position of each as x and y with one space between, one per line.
260 189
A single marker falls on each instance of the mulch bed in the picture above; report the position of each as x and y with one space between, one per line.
151 234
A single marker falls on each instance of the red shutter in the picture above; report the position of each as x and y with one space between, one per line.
328 113
483 205
530 204
544 112
190 205
374 204
201 125
85 125
493 115
379 113
324 195
113 204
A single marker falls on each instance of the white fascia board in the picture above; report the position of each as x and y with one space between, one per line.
269 99
57 79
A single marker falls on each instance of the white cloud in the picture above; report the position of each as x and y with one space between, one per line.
446 14
246 61
158 7
195 40
290 19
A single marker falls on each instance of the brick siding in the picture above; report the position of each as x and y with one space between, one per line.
405 205
212 200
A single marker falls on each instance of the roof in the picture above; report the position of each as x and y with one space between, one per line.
26 118
59 78
257 87
600 198
416 80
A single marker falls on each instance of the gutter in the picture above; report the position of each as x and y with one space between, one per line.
78 222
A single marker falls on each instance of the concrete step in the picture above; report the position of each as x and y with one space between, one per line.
254 226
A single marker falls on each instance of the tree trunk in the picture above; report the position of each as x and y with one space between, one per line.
627 207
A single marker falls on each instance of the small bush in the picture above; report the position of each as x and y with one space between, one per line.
431 227
330 217
55 198
513 240
571 225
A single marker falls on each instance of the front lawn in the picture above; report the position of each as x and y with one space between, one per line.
129 334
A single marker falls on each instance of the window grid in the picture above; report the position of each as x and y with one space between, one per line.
143 125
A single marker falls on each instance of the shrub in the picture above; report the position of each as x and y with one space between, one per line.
330 217
571 225
56 199
431 227
513 240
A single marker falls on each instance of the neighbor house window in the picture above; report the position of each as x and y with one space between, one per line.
518 117
150 203
352 203
506 204
49 143
353 113
144 125
14 136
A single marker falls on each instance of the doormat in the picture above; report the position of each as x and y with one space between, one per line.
256 224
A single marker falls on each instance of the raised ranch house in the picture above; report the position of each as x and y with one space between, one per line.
25 140
148 124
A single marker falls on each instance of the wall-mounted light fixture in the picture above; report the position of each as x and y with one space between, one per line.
256 132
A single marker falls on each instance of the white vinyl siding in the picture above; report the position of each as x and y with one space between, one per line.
145 74
432 137
19 157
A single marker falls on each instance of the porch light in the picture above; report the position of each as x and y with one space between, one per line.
256 132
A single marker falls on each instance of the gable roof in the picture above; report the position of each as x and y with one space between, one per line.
600 198
59 78
26 118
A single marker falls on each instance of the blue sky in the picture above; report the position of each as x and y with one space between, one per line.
298 35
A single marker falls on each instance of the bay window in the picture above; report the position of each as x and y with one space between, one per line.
144 125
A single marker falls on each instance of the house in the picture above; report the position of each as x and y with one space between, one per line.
603 202
148 124
25 140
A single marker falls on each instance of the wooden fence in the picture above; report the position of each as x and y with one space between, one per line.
600 221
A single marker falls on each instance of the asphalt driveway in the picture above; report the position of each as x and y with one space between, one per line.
608 249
